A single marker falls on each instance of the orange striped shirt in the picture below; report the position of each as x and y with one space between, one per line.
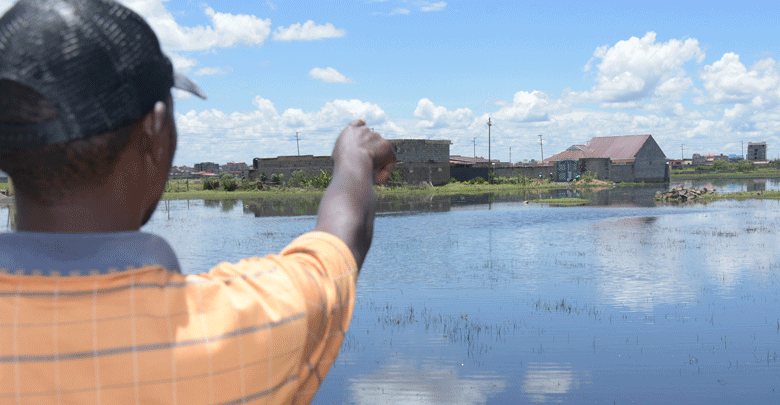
263 330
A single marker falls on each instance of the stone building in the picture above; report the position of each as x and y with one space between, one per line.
207 167
286 165
629 158
418 160
756 151
422 160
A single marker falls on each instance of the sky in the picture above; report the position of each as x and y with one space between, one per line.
699 77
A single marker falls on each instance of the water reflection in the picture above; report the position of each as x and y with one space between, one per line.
640 266
405 382
548 382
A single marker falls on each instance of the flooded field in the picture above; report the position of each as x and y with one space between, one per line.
489 300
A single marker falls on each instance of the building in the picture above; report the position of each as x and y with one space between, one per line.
417 160
628 158
287 165
422 160
207 167
756 151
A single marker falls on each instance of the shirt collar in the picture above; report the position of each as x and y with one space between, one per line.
52 254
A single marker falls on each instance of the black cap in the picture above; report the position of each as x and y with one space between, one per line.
97 61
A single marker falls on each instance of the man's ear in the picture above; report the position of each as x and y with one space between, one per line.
154 126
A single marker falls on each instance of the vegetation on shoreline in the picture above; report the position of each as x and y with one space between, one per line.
564 202
724 170
226 187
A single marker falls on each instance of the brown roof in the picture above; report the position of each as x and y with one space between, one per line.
613 147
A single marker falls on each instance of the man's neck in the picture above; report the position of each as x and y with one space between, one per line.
93 214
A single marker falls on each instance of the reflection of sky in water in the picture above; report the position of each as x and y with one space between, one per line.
404 384
546 382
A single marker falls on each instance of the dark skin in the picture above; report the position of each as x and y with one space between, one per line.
127 197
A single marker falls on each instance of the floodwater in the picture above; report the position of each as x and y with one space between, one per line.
489 300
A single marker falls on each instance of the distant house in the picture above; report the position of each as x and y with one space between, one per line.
628 158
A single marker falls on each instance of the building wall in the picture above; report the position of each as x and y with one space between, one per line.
421 150
621 173
422 160
286 165
756 151
650 163
416 173
208 167
598 167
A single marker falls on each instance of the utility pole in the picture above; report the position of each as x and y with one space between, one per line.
682 151
541 145
297 144
510 155
490 164
475 147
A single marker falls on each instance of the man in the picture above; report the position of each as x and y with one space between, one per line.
91 309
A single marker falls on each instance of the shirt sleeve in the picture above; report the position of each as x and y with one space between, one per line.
311 282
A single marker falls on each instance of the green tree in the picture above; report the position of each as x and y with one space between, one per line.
720 165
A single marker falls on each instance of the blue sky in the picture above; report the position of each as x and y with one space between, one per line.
704 76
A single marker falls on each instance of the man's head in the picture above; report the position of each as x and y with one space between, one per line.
77 80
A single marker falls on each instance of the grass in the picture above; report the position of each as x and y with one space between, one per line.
176 190
565 202
700 174
742 195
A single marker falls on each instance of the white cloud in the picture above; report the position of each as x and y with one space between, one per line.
207 71
729 81
431 6
262 132
309 31
180 63
400 11
328 75
528 107
433 117
633 69
226 30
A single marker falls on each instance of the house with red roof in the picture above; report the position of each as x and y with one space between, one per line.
627 158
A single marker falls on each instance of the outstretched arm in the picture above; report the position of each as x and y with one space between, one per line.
360 158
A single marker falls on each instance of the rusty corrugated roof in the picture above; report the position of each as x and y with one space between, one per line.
575 152
616 147
623 147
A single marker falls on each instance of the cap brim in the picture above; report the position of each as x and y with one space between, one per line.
181 82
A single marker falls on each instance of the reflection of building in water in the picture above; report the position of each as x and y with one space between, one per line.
405 384
548 382
758 185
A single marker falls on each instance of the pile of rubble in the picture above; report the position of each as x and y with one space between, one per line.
682 194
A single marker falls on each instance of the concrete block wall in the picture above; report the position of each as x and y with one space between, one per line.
421 150
621 173
416 173
286 165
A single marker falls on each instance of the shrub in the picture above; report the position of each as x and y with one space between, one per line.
211 183
322 180
229 182
300 179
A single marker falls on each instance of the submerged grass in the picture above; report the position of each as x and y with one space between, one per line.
742 195
561 201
